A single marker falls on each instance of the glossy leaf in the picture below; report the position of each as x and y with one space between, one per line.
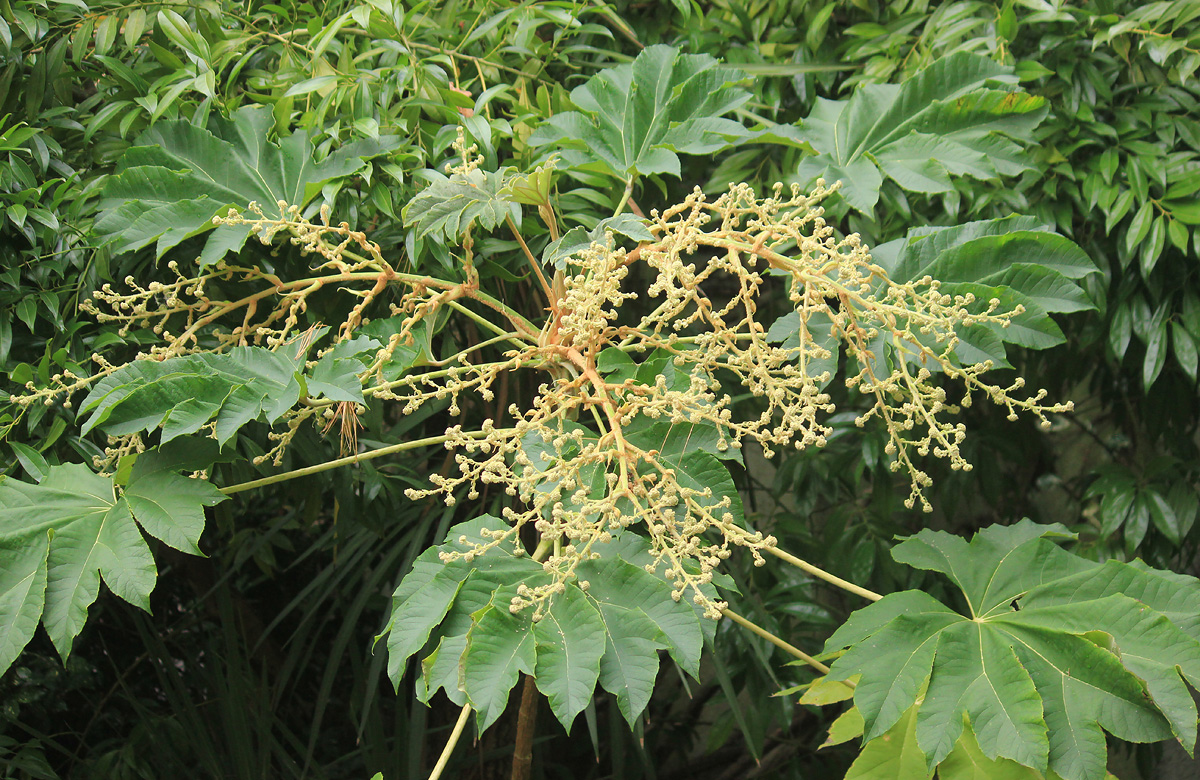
178 176
637 118
1053 651
60 537
948 120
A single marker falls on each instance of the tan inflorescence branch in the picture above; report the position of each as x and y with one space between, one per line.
580 485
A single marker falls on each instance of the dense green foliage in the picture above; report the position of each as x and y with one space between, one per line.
1005 149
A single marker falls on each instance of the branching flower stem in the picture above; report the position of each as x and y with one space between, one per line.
551 298
822 574
352 459
790 649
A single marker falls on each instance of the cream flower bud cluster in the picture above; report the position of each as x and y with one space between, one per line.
714 267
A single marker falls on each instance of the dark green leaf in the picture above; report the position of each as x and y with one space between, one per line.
178 176
570 643
1033 682
500 646
638 117
1185 349
181 395
60 537
944 121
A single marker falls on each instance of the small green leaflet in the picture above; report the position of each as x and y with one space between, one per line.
810 339
230 389
637 118
577 239
59 537
447 207
183 394
1054 651
949 119
178 176
1014 260
610 633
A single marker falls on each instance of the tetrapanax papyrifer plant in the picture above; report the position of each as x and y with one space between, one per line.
618 508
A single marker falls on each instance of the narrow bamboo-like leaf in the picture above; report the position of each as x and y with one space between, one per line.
825 691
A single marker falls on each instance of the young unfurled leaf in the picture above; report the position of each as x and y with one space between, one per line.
59 537
447 207
1054 650
178 176
896 756
947 120
893 756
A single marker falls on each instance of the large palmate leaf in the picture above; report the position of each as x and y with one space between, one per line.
949 119
178 176
609 633
896 756
59 537
637 118
1053 651
1014 260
